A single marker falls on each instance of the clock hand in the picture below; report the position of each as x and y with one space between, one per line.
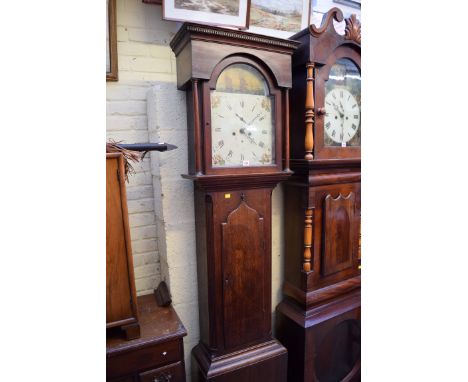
252 121
242 119
251 139
338 111
342 108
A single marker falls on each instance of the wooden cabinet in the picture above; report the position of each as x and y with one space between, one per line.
121 309
319 319
158 355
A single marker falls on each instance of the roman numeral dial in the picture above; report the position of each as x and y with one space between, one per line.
343 116
242 130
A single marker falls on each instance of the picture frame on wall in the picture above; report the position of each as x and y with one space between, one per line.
231 13
350 3
279 18
111 42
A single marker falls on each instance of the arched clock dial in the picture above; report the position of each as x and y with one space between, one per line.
342 121
242 122
343 116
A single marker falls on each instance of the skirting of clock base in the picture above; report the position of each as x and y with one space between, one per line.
324 342
264 362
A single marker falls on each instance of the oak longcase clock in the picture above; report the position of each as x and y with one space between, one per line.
237 87
319 318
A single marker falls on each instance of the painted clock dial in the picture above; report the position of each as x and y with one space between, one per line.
242 119
342 123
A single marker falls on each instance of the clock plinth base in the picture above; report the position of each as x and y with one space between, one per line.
323 342
264 362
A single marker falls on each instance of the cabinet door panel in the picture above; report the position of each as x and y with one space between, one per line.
336 225
243 262
338 233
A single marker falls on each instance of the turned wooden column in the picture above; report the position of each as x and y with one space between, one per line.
309 112
308 239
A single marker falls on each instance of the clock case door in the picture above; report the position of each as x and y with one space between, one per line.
322 74
274 91
234 262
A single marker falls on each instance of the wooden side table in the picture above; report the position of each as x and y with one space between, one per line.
157 356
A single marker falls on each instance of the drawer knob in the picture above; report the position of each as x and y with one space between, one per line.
164 353
162 378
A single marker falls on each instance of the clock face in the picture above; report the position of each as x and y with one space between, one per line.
343 115
242 119
342 122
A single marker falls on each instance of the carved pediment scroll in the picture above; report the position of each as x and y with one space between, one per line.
352 29
327 22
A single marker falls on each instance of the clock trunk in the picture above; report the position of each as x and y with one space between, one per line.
319 319
233 198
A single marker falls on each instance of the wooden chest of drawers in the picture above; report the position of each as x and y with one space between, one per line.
157 356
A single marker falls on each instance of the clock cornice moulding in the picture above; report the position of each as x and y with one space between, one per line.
236 37
199 48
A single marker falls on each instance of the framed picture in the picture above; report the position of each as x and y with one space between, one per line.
350 3
231 13
279 18
111 43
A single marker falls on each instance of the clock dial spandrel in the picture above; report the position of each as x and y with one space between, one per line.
242 119
342 122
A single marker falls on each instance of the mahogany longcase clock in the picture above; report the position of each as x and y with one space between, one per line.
319 319
237 96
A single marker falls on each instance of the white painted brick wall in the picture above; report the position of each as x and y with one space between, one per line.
143 57
174 208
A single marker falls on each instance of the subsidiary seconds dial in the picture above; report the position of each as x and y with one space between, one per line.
343 116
